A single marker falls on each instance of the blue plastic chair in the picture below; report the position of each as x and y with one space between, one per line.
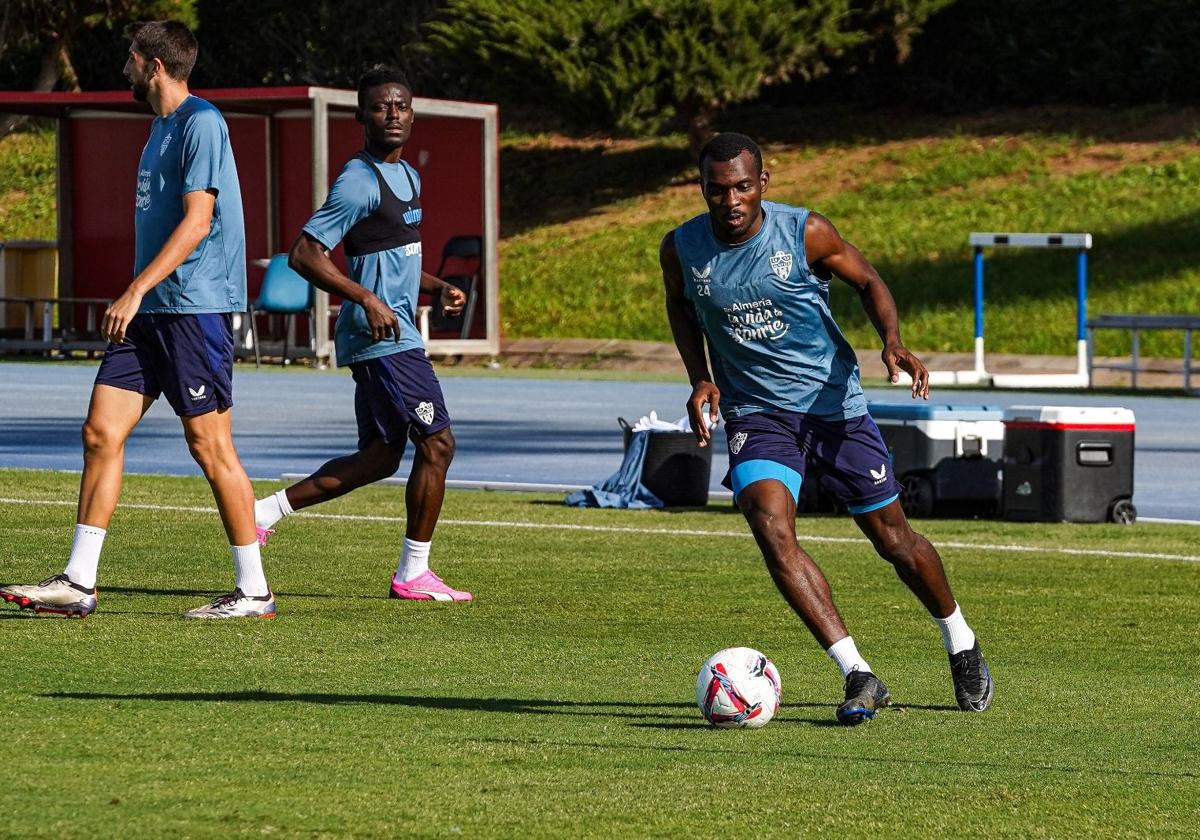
283 292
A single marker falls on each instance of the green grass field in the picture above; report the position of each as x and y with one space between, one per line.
560 702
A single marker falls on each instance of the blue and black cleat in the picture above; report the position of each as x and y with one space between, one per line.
973 686
865 695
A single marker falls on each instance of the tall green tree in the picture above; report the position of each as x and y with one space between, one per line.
39 38
637 65
309 42
52 28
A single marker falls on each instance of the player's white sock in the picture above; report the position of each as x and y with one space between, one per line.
956 635
247 569
270 510
845 653
85 555
414 560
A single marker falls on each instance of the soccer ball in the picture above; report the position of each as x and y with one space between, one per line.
738 687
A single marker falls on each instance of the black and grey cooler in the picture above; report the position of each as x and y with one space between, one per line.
946 457
676 469
1068 464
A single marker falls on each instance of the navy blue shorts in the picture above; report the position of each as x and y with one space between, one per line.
849 457
396 397
186 358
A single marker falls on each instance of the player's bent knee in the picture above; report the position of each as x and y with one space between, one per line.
97 438
896 545
438 448
772 524
388 462
212 454
379 458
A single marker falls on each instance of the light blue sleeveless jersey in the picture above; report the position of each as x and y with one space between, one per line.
189 150
773 341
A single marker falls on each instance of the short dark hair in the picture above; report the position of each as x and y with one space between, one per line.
727 146
170 41
381 74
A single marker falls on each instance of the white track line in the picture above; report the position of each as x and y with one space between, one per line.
612 529
1158 520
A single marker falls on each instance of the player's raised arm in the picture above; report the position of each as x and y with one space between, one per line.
689 341
828 253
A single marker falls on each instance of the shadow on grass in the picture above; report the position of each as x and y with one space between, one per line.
470 704
652 715
541 185
212 593
825 719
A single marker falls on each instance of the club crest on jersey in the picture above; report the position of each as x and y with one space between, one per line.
425 412
737 442
781 264
162 150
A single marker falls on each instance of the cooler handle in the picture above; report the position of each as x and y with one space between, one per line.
979 447
1094 454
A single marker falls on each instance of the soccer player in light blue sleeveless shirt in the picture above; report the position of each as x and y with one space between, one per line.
751 280
170 331
776 345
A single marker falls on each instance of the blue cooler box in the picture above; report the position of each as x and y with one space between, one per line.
948 458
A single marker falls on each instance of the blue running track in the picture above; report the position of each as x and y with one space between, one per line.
508 430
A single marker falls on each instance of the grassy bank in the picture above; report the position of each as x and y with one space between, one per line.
907 192
28 203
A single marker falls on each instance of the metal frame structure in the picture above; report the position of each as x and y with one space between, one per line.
1135 323
321 104
1082 243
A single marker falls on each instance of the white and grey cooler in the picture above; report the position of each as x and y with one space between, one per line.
947 457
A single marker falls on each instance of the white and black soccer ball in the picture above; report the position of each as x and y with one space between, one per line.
738 687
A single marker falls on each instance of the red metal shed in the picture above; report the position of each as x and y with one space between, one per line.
289 143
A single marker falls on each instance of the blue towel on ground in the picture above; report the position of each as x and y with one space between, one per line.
624 488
